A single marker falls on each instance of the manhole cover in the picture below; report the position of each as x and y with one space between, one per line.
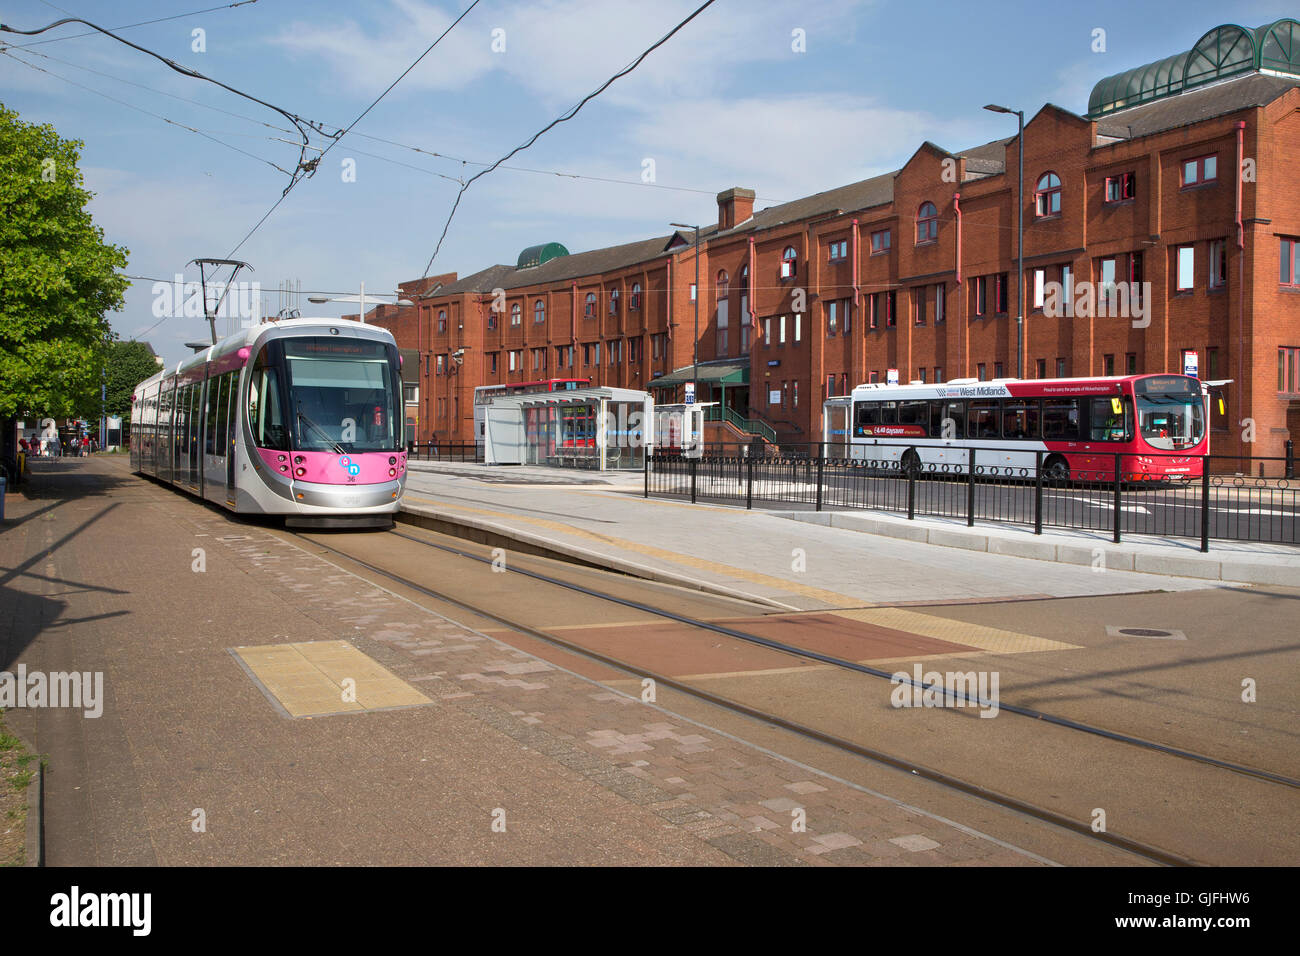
1148 632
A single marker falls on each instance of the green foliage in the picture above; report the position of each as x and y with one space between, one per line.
128 364
57 275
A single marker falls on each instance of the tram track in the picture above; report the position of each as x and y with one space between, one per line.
1141 849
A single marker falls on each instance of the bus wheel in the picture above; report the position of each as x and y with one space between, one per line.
1055 469
910 463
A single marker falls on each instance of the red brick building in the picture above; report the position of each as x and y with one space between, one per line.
1180 180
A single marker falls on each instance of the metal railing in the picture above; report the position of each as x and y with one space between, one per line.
1111 495
444 451
750 426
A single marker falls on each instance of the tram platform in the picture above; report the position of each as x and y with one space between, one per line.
810 560
208 751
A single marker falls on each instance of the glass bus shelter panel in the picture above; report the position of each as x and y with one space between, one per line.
837 432
625 435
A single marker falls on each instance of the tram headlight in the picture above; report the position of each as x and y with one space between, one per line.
300 472
392 459
392 472
284 467
281 458
298 459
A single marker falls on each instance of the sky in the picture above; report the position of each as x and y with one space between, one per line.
787 99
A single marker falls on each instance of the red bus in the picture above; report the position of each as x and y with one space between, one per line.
1156 423
484 394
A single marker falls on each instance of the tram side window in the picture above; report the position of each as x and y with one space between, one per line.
914 413
951 411
220 405
264 413
210 445
1110 420
1020 420
1061 419
982 420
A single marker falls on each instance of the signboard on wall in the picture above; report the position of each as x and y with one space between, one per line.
891 376
1191 363
690 393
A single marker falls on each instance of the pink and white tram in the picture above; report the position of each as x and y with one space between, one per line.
300 418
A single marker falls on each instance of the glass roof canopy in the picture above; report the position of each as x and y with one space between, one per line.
1225 51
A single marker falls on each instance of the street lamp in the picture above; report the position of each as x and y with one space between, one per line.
1020 237
695 363
360 299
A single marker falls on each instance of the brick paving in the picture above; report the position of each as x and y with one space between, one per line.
582 772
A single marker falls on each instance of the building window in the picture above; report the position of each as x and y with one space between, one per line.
981 372
1290 275
940 303
830 385
832 317
796 393
798 322
1038 283
874 378
839 250
1186 267
615 351
442 320
539 311
1060 368
918 305
589 308
1108 284
920 374
981 295
1288 370
1108 365
1000 287
492 362
781 340
873 310
1135 278
441 365
512 360
1218 275
724 284
1047 197
880 242
1199 171
634 302
789 263
633 350
1119 188
1131 363
998 370
492 319
1212 363
891 309
938 374
927 223
516 314
745 332
613 302
1040 368
767 331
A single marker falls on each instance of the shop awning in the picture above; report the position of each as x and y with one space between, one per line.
708 375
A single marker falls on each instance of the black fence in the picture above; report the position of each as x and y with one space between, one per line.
1111 495
444 451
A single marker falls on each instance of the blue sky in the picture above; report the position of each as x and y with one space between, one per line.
727 102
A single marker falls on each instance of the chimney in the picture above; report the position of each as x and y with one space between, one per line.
735 205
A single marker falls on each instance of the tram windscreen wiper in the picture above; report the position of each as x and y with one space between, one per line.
338 449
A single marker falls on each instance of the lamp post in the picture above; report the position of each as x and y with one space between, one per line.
695 360
1020 236
360 299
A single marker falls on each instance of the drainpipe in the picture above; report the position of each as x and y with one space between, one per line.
573 316
857 288
749 293
1241 265
961 331
1241 150
956 208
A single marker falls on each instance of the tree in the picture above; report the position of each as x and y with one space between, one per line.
129 364
57 275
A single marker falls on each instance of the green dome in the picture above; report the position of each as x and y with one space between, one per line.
536 255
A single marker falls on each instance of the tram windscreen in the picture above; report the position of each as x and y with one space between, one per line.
1170 412
342 395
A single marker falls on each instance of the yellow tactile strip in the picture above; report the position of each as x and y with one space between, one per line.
673 557
316 678
992 639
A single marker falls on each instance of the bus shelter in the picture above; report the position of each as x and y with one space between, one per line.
603 428
837 426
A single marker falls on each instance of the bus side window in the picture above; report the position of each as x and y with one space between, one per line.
866 414
1061 419
889 413
982 420
954 412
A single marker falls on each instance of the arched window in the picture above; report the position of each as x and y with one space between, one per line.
789 263
1047 197
927 223
613 302
589 310
539 311
442 320
516 313
724 284
635 302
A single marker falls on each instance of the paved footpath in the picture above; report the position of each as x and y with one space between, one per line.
799 564
191 763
